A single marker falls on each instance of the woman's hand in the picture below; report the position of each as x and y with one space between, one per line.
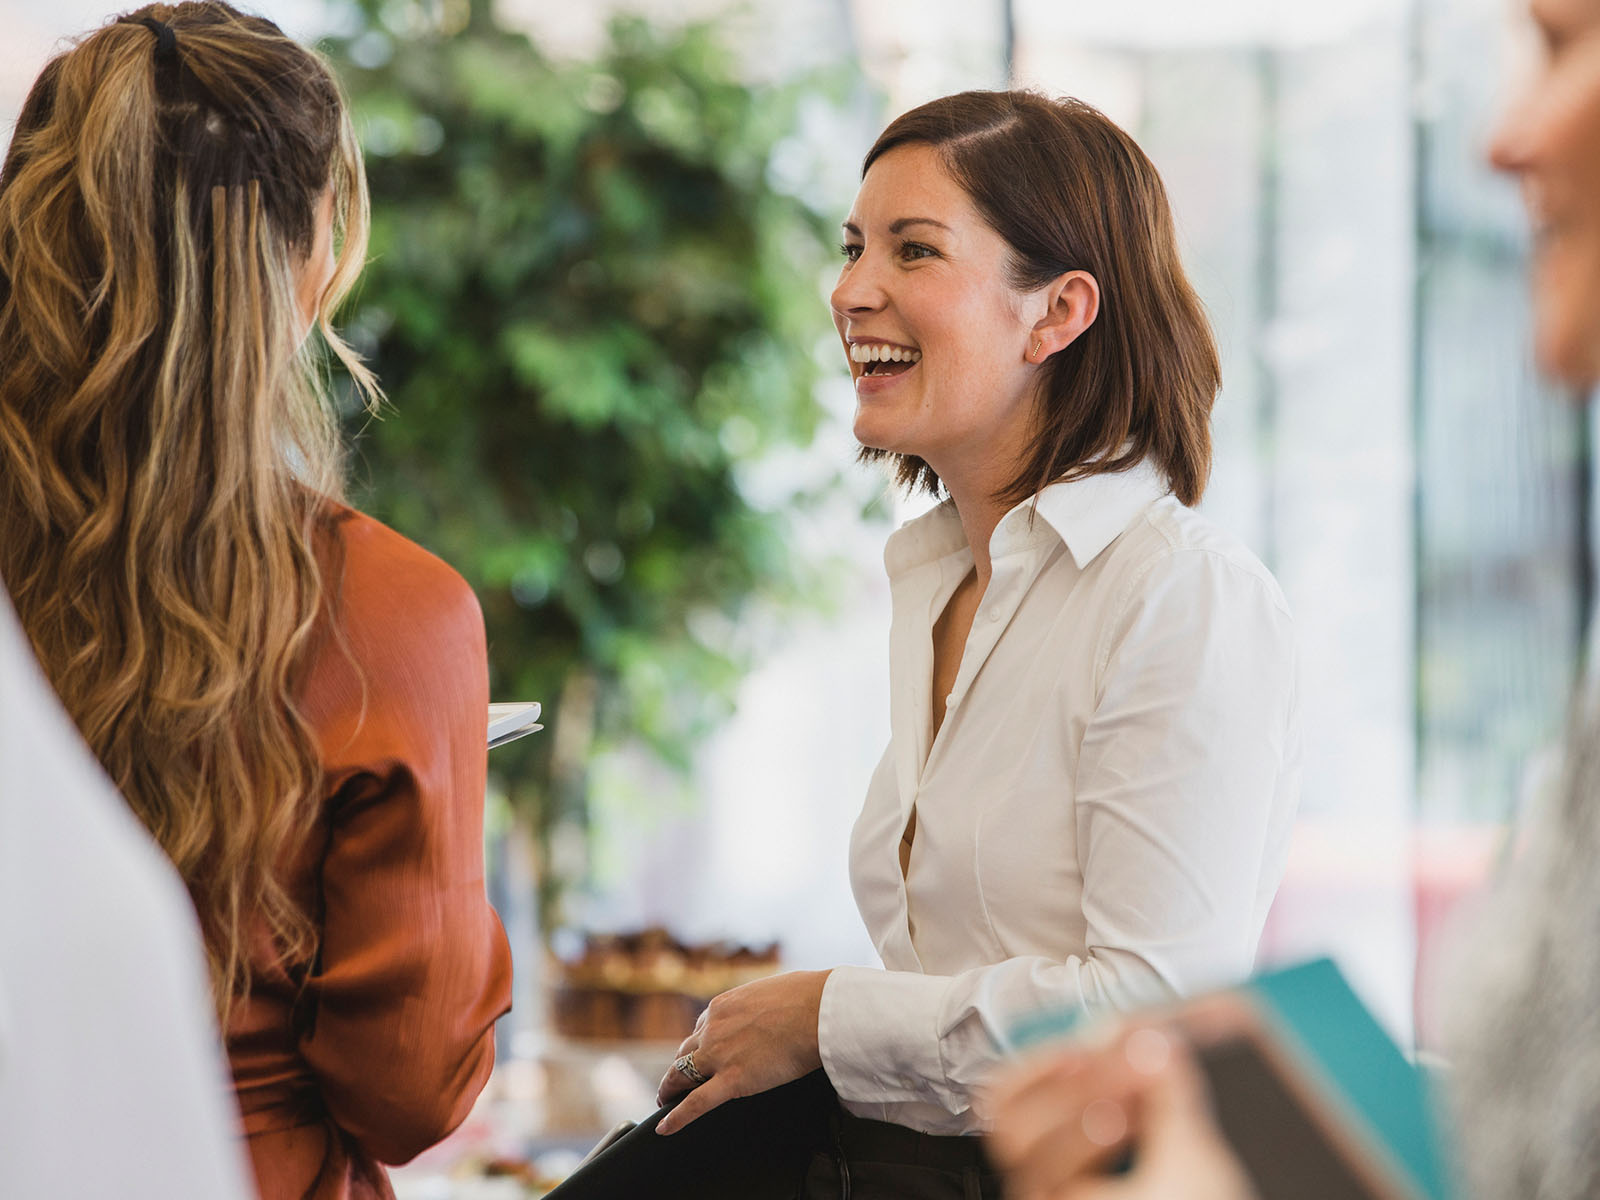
748 1040
1059 1119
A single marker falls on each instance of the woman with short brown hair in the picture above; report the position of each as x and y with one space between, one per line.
1140 381
1094 754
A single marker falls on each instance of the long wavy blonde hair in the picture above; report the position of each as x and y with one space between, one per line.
168 460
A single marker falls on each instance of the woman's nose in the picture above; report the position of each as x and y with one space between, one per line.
859 289
1508 145
1513 145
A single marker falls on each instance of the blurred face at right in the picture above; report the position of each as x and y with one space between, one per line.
1551 142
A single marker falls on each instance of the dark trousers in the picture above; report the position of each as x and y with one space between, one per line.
792 1143
871 1160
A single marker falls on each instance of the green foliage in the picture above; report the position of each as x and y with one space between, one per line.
590 308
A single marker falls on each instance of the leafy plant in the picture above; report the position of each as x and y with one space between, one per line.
592 309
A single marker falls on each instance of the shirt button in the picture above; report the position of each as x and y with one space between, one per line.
950 700
994 614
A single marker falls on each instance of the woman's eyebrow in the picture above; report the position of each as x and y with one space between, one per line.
900 225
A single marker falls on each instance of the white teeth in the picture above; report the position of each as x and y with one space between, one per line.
866 352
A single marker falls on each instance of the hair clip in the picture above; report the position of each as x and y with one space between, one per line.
166 36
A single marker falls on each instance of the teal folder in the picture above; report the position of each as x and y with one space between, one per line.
1375 1084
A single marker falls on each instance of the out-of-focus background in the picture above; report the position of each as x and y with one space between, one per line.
604 235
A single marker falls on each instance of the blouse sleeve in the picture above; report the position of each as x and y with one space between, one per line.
1182 810
413 968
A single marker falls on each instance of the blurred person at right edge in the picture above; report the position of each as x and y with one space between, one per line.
1524 1018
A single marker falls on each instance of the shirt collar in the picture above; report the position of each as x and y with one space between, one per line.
1086 514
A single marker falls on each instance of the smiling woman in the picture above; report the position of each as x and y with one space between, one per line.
1095 751
1103 409
1551 141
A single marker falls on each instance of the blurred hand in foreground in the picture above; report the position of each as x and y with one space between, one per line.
1060 1119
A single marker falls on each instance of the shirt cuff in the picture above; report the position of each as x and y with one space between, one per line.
878 1033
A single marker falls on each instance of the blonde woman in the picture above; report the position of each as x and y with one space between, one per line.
289 695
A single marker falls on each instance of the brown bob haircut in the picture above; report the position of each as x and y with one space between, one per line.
1070 191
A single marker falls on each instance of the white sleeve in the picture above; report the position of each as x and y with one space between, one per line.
113 1080
1179 812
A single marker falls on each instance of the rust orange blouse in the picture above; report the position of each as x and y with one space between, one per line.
391 1039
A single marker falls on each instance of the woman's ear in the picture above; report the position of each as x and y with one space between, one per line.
1072 301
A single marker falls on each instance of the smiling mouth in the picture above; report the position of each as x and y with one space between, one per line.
877 358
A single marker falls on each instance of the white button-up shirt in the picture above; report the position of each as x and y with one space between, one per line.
1103 817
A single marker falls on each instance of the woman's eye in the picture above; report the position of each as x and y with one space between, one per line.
917 250
850 252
